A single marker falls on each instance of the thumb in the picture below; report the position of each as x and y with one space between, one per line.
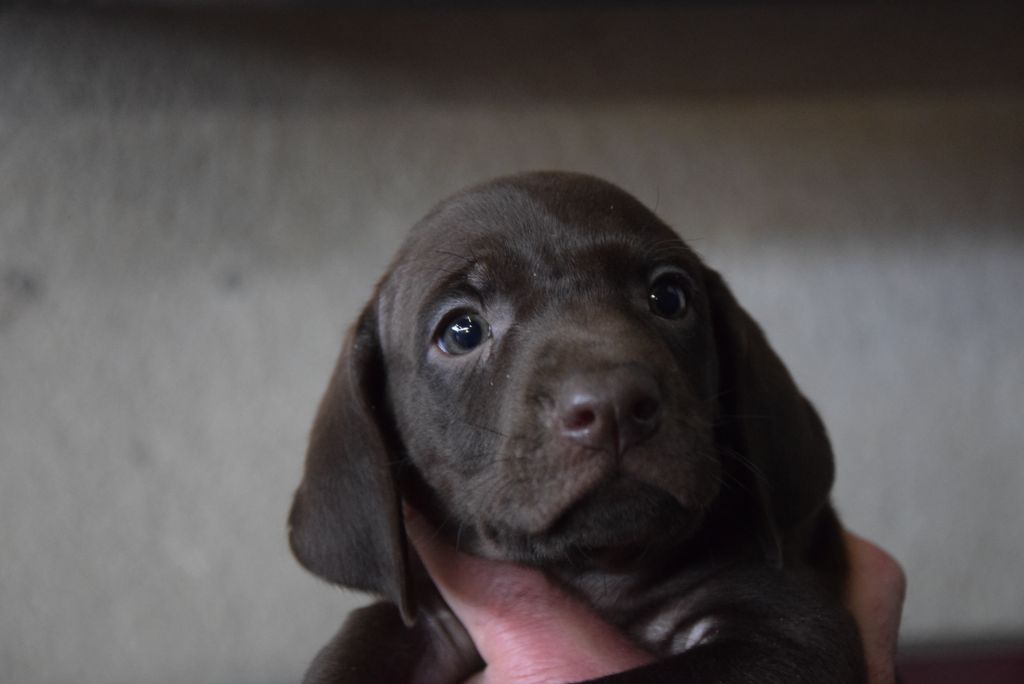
877 587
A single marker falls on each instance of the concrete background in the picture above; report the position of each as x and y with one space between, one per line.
193 207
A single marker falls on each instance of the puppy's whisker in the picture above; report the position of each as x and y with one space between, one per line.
467 259
458 536
483 428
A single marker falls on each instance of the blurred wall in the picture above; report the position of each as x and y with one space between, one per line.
194 206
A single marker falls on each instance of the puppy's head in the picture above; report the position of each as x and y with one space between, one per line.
551 375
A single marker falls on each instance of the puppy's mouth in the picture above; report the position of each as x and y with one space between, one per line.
621 510
616 525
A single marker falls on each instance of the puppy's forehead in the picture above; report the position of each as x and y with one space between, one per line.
540 218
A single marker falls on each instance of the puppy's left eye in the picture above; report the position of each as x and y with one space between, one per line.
667 298
463 334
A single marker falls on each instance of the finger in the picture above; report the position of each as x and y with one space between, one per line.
519 620
876 590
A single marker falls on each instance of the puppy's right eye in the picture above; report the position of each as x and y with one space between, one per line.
463 334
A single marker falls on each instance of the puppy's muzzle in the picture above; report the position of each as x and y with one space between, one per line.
609 411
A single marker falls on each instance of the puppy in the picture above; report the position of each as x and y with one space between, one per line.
552 377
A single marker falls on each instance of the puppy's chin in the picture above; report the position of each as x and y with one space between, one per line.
619 525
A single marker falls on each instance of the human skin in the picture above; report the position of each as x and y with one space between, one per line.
530 631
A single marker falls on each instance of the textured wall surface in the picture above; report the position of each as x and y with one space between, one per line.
193 207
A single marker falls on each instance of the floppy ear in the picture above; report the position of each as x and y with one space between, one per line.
346 523
767 421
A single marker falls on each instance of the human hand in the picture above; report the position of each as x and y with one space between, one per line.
526 628
530 631
875 591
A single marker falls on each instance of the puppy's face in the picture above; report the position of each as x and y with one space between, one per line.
553 377
551 369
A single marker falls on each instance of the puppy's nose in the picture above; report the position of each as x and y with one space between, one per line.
610 411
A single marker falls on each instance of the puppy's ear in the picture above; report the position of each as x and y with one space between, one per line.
767 421
346 523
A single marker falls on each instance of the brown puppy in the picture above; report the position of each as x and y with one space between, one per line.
554 378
